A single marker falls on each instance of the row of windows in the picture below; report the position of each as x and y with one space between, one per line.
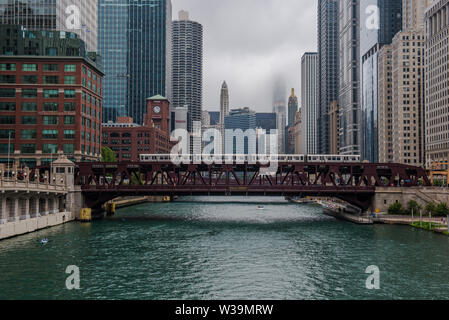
35 67
32 93
32 106
31 134
29 148
32 120
33 79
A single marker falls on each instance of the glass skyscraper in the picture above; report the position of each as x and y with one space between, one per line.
382 19
349 77
328 43
135 45
78 16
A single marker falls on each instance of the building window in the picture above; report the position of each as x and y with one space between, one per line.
7 67
69 106
51 93
28 134
28 148
4 148
7 93
50 134
69 119
6 78
5 133
29 67
51 67
69 134
51 52
49 148
29 106
28 120
69 148
50 120
29 93
7 120
69 80
29 79
69 94
51 106
7 106
29 163
70 68
51 79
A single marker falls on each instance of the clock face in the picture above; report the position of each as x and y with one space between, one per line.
157 109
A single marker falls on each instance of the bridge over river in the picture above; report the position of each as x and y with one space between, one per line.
355 183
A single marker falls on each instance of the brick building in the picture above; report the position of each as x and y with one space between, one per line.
128 140
50 98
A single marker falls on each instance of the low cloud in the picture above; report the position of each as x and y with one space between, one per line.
251 44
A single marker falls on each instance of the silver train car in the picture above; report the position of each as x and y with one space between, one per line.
242 158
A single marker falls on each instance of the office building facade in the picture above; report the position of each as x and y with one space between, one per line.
349 77
135 45
309 103
436 82
327 70
379 27
240 119
49 105
76 16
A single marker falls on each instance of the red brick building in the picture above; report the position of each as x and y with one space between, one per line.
128 140
50 105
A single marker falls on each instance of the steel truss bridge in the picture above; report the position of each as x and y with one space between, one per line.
351 182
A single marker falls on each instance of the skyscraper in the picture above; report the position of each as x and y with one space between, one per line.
224 112
280 109
224 103
135 45
436 88
401 90
349 77
413 14
328 41
382 19
309 105
77 16
187 64
292 108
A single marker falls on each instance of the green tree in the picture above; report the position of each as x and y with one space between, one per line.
414 207
396 209
107 155
442 210
430 208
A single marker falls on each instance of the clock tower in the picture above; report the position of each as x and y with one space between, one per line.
158 113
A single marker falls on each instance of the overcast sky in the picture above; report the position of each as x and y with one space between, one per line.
252 44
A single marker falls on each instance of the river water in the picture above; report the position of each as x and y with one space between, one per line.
211 248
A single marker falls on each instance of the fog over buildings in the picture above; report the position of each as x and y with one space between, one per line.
261 41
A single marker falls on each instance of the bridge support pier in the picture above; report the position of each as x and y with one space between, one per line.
110 208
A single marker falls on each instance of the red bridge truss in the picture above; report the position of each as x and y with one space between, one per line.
352 182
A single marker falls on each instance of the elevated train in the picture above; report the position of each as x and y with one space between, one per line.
255 158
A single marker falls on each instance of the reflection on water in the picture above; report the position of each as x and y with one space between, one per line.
205 248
